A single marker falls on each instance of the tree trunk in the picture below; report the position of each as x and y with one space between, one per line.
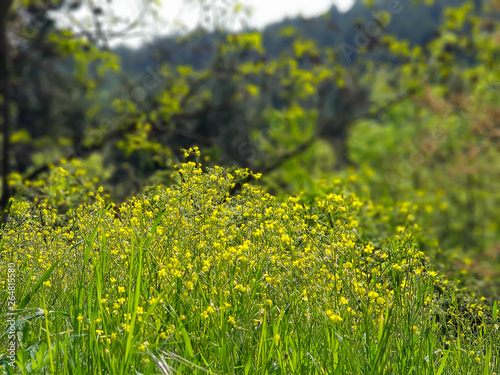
4 93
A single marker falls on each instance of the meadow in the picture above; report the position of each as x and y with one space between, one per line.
188 279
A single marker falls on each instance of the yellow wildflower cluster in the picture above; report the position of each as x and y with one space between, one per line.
187 261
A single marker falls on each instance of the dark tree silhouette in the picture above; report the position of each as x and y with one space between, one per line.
4 93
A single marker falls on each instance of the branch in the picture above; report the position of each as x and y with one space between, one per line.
112 135
338 126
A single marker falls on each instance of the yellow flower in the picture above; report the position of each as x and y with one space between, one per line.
372 295
240 288
335 318
276 339
80 318
210 310
121 289
47 283
343 300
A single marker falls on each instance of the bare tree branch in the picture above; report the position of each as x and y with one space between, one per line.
267 167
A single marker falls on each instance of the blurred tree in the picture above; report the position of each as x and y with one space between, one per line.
4 92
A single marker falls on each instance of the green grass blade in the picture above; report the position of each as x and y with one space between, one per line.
443 363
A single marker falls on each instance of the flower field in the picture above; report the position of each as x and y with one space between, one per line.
191 280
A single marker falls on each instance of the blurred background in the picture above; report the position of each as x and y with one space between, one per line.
396 101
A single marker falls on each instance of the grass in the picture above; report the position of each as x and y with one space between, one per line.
188 280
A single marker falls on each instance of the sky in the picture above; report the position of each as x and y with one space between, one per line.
183 15
264 11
